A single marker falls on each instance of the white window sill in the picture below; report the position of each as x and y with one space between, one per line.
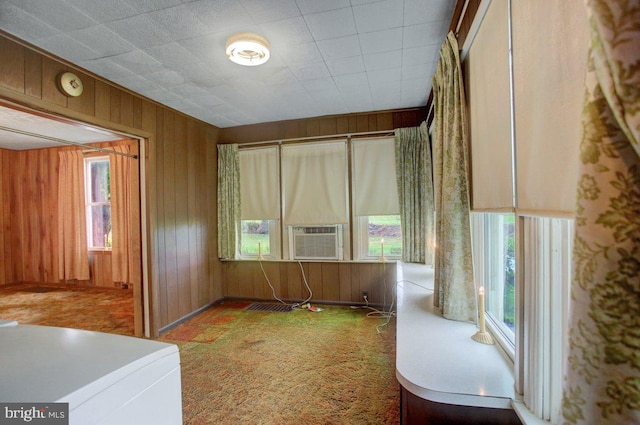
436 358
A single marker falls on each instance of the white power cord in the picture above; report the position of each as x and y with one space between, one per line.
273 290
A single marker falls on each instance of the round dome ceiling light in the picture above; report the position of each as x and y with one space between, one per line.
247 49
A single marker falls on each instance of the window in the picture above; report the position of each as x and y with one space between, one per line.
380 230
260 195
98 202
494 256
257 237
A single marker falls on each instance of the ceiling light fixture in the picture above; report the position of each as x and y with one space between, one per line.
247 49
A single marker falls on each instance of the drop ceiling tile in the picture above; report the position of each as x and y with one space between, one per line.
331 24
320 84
352 80
384 76
61 16
68 48
179 22
144 6
383 104
16 21
104 11
358 101
138 62
172 55
208 100
281 76
167 78
227 16
342 47
418 84
286 32
422 34
273 10
419 55
140 30
351 65
383 60
310 71
137 83
102 40
420 11
207 47
415 71
106 68
300 54
381 41
357 2
315 6
379 16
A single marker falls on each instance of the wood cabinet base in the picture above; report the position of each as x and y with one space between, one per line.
416 410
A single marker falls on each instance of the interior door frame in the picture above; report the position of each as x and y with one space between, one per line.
143 322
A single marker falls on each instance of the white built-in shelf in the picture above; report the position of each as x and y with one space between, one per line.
436 358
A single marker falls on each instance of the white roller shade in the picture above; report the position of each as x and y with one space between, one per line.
374 177
259 184
314 183
490 112
550 44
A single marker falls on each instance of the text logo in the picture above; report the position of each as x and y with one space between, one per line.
34 413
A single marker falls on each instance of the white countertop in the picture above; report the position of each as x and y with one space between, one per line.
436 358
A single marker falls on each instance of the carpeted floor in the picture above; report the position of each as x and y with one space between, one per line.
248 367
104 310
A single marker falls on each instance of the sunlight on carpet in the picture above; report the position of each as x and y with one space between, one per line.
329 367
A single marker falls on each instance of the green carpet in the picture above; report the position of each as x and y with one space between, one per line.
247 367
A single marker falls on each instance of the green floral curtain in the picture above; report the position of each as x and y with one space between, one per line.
454 286
602 384
415 193
228 199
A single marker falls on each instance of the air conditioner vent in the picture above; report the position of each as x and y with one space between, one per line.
316 242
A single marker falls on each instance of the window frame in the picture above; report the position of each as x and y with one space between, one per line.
88 204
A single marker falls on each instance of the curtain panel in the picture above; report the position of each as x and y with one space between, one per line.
602 383
374 186
73 255
415 193
260 183
314 186
228 200
122 260
454 285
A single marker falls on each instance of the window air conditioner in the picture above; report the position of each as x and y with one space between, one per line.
316 242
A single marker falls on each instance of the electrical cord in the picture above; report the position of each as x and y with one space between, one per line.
273 290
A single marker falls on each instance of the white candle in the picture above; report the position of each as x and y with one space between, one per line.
481 308
382 247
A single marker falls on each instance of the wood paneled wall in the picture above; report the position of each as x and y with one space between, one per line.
332 281
180 179
29 181
342 282
324 126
